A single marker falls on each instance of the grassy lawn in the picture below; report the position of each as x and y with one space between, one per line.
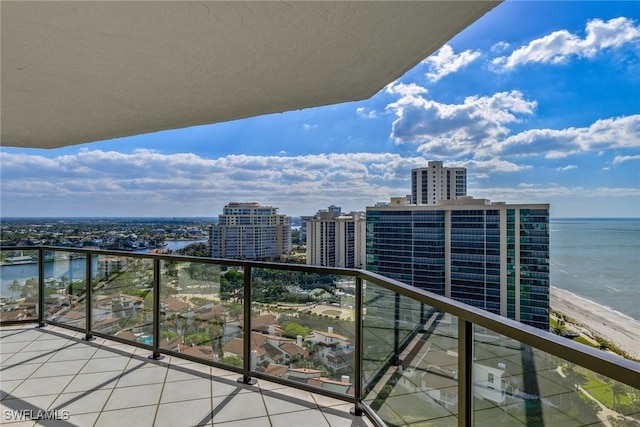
582 340
601 390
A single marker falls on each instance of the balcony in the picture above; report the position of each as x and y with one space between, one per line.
95 337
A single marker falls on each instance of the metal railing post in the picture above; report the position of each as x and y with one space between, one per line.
40 288
465 373
359 356
246 329
88 298
156 311
396 331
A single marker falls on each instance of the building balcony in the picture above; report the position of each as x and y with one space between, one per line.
181 341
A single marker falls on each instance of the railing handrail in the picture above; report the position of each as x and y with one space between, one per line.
613 366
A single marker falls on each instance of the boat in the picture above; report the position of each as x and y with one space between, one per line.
19 260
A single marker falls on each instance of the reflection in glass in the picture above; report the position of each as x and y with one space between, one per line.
516 384
20 285
122 303
65 288
303 328
410 360
196 318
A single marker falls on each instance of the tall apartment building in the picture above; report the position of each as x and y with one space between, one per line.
250 231
494 256
434 183
304 219
335 239
110 264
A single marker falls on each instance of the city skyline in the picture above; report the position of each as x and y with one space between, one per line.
538 100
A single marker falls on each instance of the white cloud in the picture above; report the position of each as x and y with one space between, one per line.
500 47
604 134
484 168
308 126
621 159
445 61
367 114
559 46
145 181
405 90
543 194
455 129
566 168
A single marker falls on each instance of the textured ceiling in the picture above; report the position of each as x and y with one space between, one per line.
76 72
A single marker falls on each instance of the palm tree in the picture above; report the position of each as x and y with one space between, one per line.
14 287
618 391
30 288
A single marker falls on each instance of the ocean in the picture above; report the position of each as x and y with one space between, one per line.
595 259
599 260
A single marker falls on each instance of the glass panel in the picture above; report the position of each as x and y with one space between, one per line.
303 329
194 319
20 285
410 360
378 331
515 384
65 287
122 303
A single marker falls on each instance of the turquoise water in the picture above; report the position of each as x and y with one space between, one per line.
146 339
598 259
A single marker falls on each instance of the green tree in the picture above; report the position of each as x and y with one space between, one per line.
170 268
575 376
168 334
200 338
292 330
235 310
194 249
15 286
618 390
232 360
30 288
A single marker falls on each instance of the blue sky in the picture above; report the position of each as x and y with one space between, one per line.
540 101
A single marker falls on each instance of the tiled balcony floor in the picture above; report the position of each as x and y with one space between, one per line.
105 383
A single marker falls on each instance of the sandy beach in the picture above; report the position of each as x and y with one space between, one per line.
617 328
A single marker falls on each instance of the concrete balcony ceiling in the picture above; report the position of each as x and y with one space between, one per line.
76 72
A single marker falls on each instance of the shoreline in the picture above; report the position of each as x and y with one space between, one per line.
591 318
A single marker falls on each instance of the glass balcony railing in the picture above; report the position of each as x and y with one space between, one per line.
401 355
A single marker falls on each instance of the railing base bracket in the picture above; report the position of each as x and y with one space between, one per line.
247 381
155 356
356 411
89 338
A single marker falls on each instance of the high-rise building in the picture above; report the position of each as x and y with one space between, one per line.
250 231
304 219
434 183
494 256
335 239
